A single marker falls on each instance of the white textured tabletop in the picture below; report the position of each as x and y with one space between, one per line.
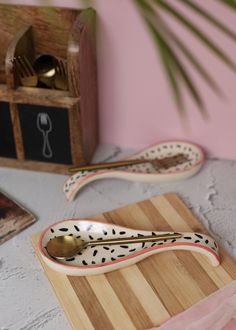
27 300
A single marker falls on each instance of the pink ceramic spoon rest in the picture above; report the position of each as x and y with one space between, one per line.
144 172
104 258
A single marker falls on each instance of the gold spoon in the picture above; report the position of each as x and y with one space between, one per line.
63 247
45 68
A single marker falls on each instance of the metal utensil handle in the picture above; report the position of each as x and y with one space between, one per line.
166 161
151 238
47 150
101 166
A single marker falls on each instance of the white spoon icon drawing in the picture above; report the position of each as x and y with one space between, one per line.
44 125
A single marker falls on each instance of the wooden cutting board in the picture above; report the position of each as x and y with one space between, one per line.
146 294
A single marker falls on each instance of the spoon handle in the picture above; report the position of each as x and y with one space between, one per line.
164 162
47 150
140 239
102 166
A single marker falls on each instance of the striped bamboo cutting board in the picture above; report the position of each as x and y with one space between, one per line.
143 295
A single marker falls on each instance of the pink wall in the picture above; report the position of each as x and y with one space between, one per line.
136 106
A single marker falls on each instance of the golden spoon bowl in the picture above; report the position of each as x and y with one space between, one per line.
45 68
63 247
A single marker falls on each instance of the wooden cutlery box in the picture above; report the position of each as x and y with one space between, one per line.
41 128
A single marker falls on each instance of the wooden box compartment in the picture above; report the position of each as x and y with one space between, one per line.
70 134
7 144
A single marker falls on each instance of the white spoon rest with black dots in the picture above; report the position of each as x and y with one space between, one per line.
144 172
104 258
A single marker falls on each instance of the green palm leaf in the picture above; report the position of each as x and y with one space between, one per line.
172 64
166 41
197 32
189 55
169 68
211 19
180 70
230 3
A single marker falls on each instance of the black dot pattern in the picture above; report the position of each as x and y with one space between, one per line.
162 150
63 229
103 254
95 252
76 228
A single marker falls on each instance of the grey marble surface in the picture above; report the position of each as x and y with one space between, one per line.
27 300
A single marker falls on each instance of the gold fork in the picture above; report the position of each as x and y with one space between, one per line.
25 71
157 163
60 80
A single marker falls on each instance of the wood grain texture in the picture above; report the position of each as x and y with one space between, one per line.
36 165
146 294
83 77
21 45
67 34
77 146
17 132
48 23
2 73
37 96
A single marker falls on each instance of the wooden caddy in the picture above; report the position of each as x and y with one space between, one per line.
67 34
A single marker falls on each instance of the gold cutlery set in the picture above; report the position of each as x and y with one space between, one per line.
45 71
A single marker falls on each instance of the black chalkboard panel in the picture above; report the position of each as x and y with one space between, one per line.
45 132
7 144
